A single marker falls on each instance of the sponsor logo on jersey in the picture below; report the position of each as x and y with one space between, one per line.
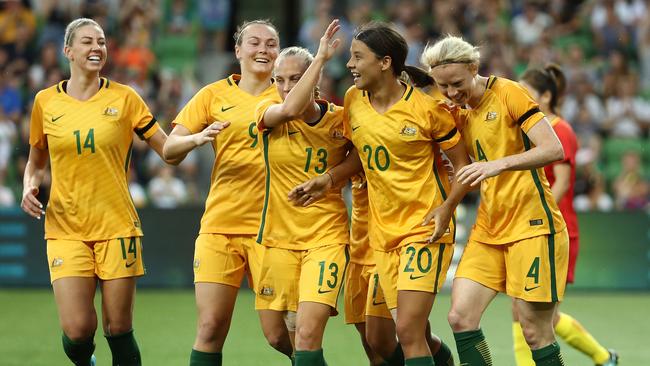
111 111
408 131
491 116
54 119
223 108
536 222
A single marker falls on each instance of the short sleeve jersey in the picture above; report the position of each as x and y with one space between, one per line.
514 205
397 150
570 146
360 251
236 192
295 152
89 144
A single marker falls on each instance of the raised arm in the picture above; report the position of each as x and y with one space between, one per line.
301 94
34 172
547 149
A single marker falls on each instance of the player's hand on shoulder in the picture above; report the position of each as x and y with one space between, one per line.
209 133
30 203
310 191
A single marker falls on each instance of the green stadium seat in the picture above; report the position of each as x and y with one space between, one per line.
177 52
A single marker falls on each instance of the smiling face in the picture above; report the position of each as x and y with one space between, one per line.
365 66
456 81
87 49
258 49
288 70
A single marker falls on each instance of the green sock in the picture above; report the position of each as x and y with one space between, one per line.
443 357
472 348
79 352
419 361
310 358
198 358
397 358
548 356
124 349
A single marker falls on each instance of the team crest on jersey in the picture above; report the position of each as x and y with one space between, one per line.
336 134
266 291
408 131
56 262
491 116
197 263
110 111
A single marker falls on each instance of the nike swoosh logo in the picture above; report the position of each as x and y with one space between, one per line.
323 292
355 128
378 303
532 288
130 264
293 132
415 277
223 109
55 119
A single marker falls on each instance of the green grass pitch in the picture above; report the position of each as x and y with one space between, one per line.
165 325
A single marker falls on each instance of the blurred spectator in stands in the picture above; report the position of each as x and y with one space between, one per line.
631 188
628 115
214 16
165 190
528 26
616 69
10 99
137 191
179 17
408 23
16 23
643 50
48 60
8 137
596 197
583 108
609 30
135 54
55 15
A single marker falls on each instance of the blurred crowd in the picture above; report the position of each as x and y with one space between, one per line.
156 46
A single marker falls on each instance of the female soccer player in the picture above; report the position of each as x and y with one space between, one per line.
85 126
519 244
225 248
398 131
365 306
546 86
306 254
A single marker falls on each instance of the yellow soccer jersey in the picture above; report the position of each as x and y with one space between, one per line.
89 144
295 152
360 251
397 149
515 205
236 193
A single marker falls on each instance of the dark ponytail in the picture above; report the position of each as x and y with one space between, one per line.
384 41
550 78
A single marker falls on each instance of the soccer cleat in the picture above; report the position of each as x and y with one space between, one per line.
612 360
93 360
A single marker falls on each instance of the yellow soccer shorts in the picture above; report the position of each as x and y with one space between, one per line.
363 295
225 259
532 269
289 277
413 267
107 260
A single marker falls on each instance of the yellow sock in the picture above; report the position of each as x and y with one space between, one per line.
523 355
572 332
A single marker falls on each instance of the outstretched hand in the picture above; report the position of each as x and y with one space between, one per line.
209 133
327 47
30 203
